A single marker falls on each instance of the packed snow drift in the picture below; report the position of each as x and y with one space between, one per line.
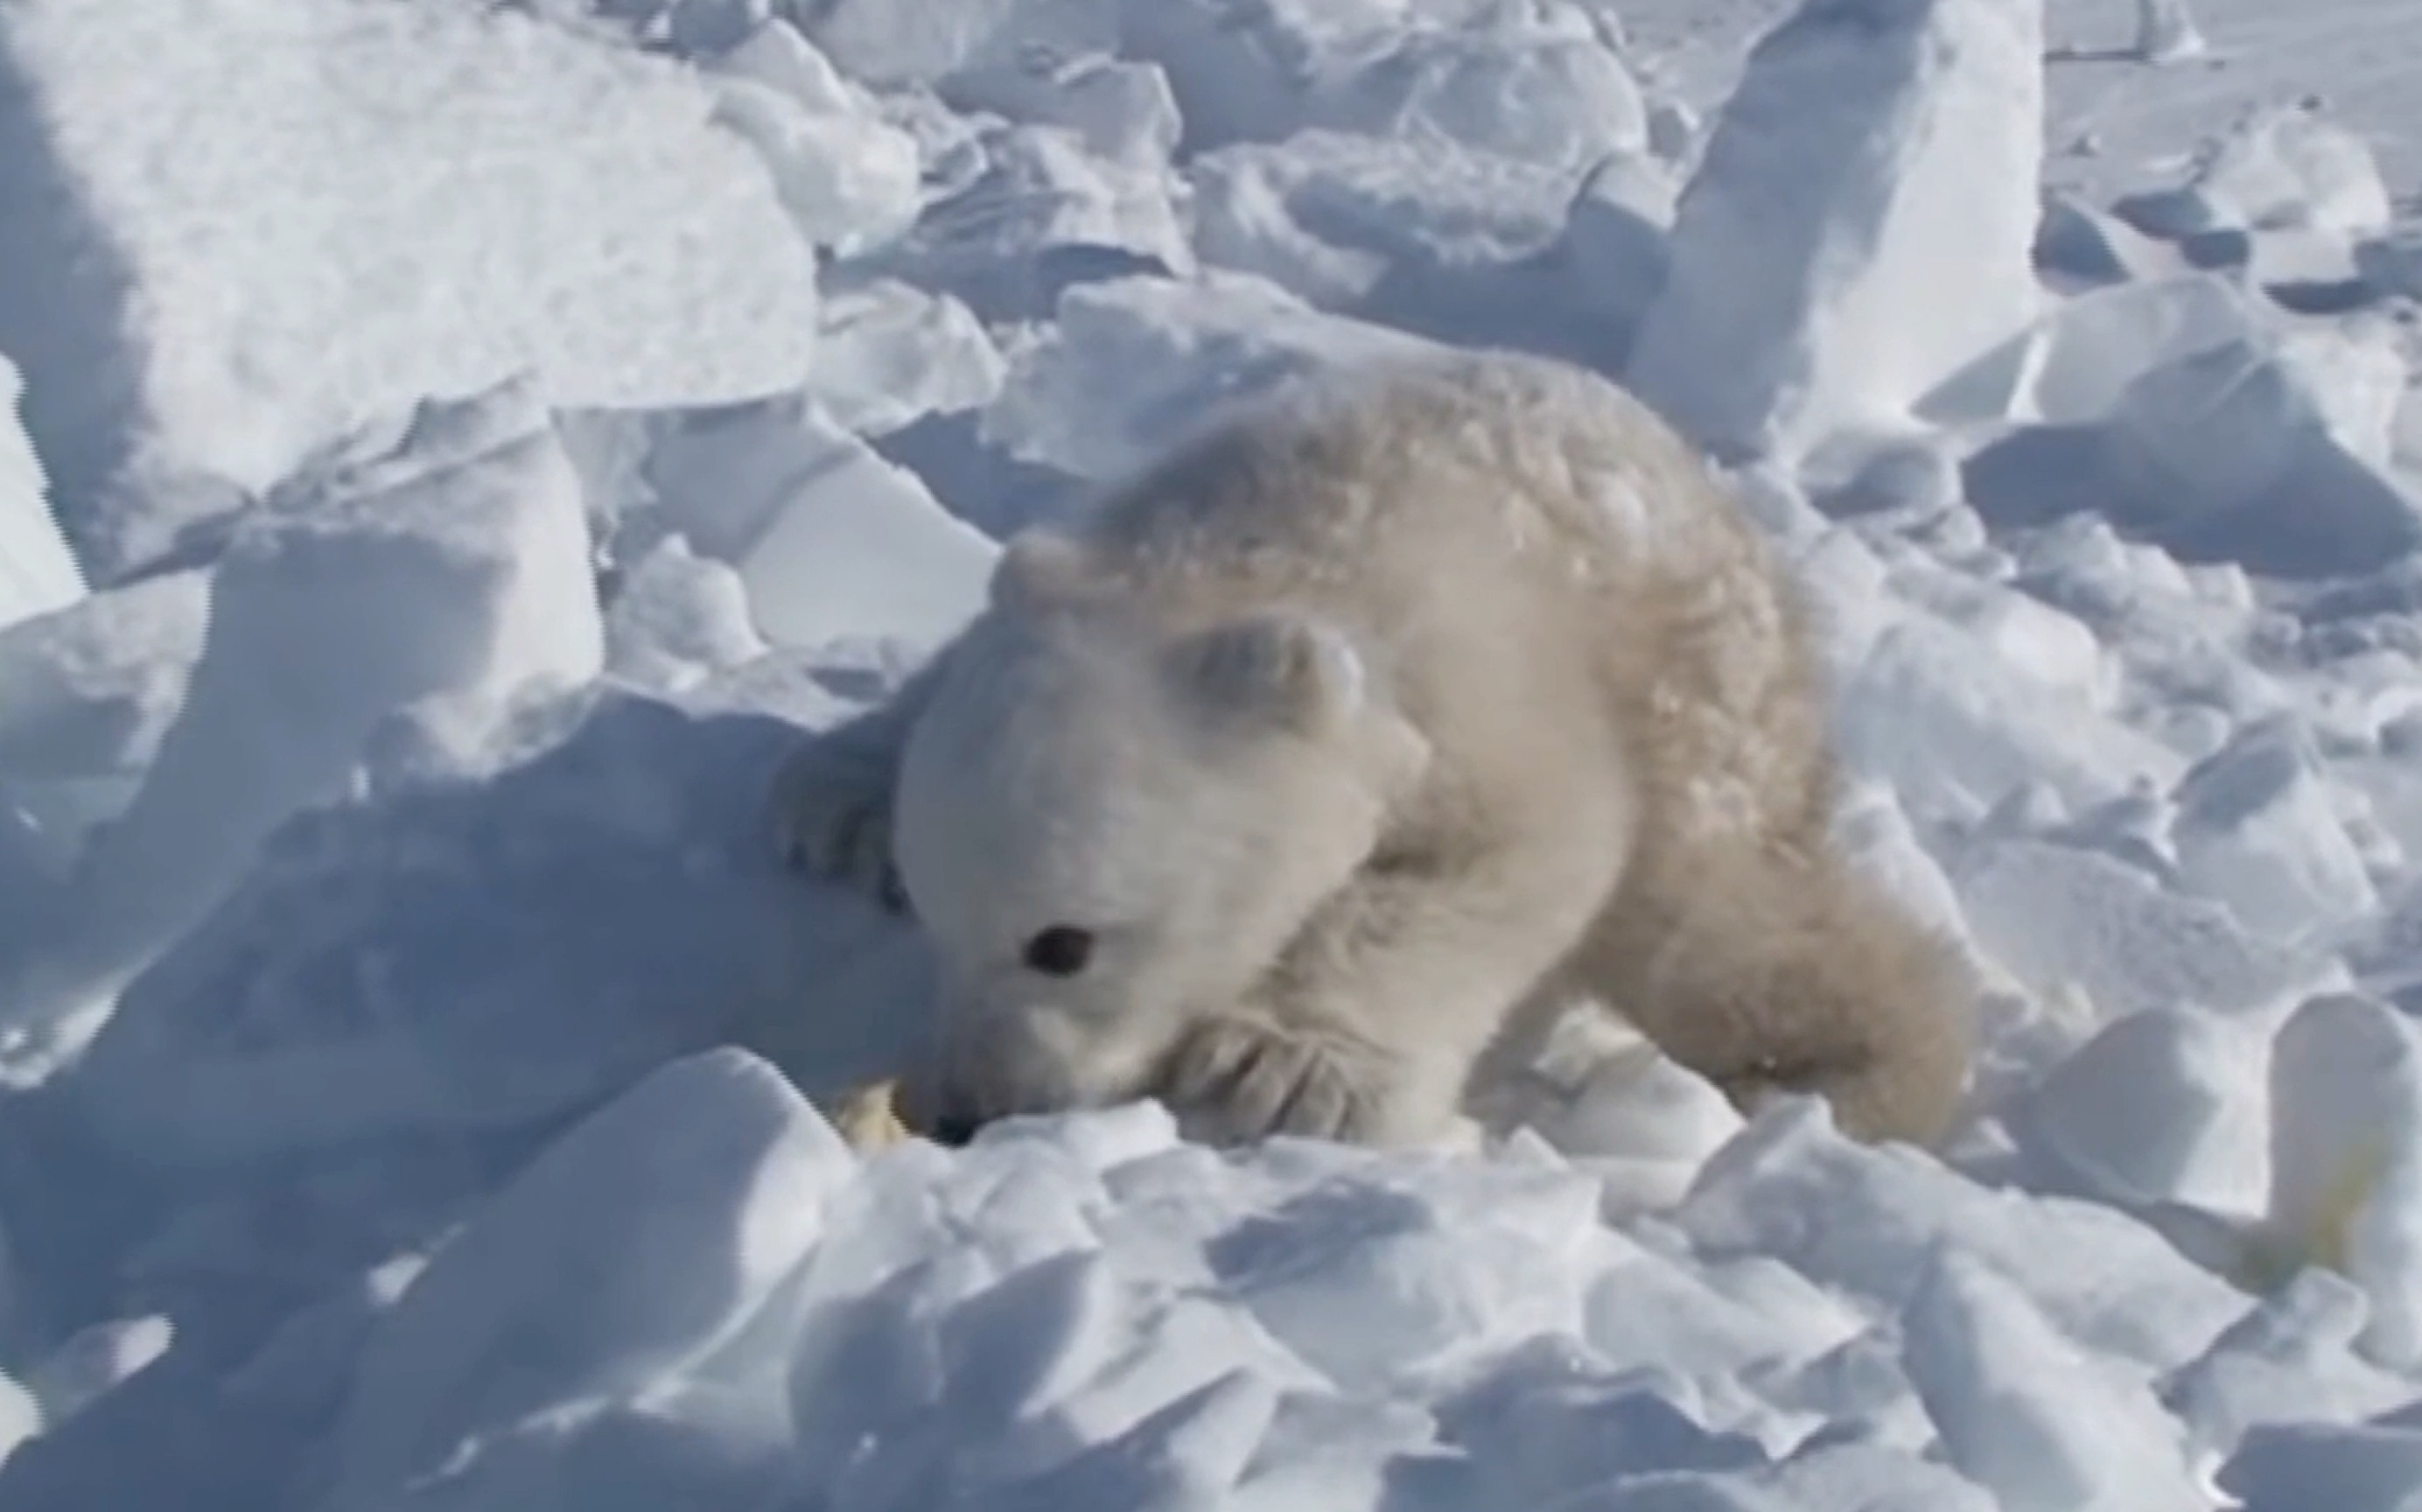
451 451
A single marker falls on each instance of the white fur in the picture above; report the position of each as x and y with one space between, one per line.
1356 730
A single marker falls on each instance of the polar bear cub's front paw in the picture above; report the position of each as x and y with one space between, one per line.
830 811
1240 1076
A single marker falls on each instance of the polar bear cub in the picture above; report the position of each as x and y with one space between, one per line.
1353 735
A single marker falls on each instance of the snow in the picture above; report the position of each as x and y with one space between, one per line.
887 354
2073 363
1872 1224
416 1080
2166 32
2257 829
1371 203
1615 242
2080 243
1041 212
1844 247
87 692
2218 442
1555 99
212 282
95 1359
2346 1090
21 1415
830 540
2290 1360
723 1175
2054 913
443 573
37 573
2028 1415
2200 420
885 44
2392 263
1250 211
2167 1105
1539 82
848 177
2282 166
679 619
1119 110
1933 708
2374 1465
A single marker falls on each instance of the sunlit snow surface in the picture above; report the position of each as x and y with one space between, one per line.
464 444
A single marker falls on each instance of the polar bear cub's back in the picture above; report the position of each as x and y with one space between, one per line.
1453 505
1492 449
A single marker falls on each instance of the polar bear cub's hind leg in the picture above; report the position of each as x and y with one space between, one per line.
1800 974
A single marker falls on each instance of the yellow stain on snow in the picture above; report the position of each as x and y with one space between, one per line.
2327 1239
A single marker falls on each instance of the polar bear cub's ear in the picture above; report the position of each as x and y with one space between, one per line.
1036 568
1290 669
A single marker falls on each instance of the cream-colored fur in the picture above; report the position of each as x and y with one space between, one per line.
1357 730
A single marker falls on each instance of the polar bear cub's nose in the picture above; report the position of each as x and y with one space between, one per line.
954 1130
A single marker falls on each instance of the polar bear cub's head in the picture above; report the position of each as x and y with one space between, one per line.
1108 825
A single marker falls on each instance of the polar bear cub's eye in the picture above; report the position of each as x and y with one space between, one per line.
1061 951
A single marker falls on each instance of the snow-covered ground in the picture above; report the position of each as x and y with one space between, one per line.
463 443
